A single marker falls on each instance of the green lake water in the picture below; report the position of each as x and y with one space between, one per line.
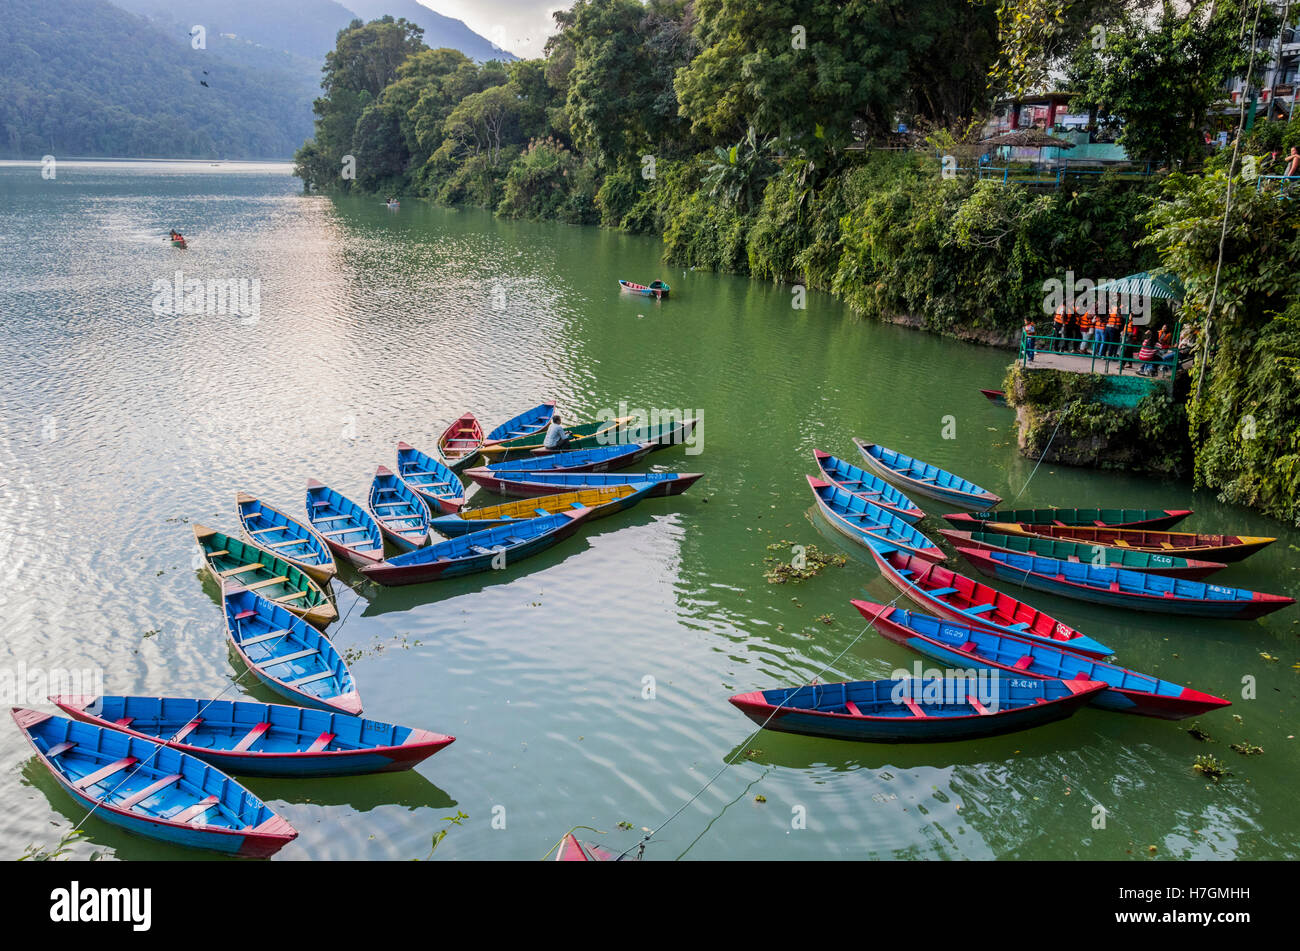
123 426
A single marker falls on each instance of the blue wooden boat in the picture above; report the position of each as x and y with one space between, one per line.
600 459
400 511
153 791
247 738
432 479
291 657
525 424
531 485
964 645
945 593
346 527
867 523
916 711
923 478
479 551
286 538
1122 588
874 489
602 501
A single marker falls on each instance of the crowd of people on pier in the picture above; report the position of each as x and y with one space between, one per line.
1116 336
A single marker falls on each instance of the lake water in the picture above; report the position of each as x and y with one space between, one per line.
124 423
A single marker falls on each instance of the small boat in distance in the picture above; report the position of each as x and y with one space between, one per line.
996 397
656 289
146 788
177 239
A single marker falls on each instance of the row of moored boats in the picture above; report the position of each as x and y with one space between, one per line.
160 766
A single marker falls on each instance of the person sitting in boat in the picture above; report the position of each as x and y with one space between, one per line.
556 435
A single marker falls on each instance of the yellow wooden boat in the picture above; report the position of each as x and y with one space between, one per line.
602 500
1223 548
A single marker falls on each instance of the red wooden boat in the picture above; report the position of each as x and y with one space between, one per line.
460 442
995 396
1221 548
946 594
964 645
571 850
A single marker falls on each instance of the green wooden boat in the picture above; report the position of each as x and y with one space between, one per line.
584 436
231 560
1094 518
1103 556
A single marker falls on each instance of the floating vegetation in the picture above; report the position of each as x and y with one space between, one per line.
625 826
826 618
441 834
1247 749
760 798
1196 733
805 562
353 654
1210 767
753 753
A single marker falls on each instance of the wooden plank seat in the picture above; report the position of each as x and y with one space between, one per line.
251 737
292 597
979 609
979 707
272 528
260 638
289 543
105 772
186 730
311 678
214 554
940 592
852 707
151 790
240 570
344 531
322 741
289 658
60 749
1024 663
278 579
912 705
196 811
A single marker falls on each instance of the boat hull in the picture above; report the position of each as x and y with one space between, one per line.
602 459
460 442
1113 518
349 530
616 499
1151 563
520 486
860 482
928 485
878 526
1214 548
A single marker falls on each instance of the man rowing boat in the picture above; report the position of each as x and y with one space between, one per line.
556 436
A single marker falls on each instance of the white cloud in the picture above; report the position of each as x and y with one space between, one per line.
520 26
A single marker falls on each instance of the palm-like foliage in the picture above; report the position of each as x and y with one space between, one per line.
739 173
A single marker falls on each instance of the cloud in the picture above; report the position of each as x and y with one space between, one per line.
520 26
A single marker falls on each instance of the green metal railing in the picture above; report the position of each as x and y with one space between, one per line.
1284 183
1097 351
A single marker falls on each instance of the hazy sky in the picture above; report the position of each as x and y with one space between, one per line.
520 26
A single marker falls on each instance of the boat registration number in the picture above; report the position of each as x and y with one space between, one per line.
1024 683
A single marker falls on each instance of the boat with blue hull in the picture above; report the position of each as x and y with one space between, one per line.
915 711
289 656
874 489
964 646
1129 558
531 485
247 738
601 501
153 791
286 538
944 593
525 424
479 551
1126 589
867 523
431 479
923 478
346 527
600 459
400 510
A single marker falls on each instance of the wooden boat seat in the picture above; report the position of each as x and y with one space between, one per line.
292 597
979 608
214 554
151 790
1024 663
916 710
239 571
124 721
904 571
278 579
979 707
310 678
105 772
60 749
273 528
968 646
543 512
268 636
196 811
321 742
288 542
574 505
344 531
186 730
251 737
480 550
514 540
244 615
1114 586
329 518
852 707
389 505
1018 626
1165 545
940 592
289 658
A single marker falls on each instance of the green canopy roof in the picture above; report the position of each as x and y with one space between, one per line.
1157 286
